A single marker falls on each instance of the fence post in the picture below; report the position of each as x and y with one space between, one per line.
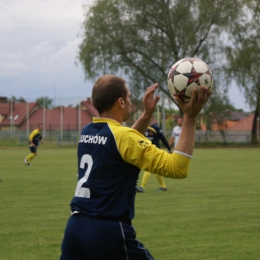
224 139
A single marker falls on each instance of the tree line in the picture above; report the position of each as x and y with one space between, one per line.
42 101
141 40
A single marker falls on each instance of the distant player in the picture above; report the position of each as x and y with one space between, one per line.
176 132
34 139
154 134
110 157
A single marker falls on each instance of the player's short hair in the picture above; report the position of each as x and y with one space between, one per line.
178 117
107 90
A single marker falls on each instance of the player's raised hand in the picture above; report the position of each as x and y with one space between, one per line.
198 99
149 100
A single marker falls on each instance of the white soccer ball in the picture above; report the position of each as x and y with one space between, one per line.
187 74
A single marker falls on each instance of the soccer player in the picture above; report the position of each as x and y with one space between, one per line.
154 134
176 132
34 139
110 157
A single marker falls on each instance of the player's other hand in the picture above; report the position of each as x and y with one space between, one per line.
198 99
149 100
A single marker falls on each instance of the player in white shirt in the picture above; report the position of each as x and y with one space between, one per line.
176 132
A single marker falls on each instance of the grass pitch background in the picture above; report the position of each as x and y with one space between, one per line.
213 214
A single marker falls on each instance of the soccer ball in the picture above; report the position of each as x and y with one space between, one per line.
187 74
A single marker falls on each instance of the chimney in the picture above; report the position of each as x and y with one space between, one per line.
60 108
89 101
3 100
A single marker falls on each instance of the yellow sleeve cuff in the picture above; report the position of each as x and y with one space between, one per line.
177 167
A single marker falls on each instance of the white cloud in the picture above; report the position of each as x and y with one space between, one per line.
12 65
38 48
62 59
38 13
41 49
14 69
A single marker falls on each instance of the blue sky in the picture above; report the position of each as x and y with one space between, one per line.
38 47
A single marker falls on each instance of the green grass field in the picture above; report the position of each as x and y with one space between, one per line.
213 214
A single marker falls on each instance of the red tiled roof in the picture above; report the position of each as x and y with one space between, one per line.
67 116
89 106
70 116
19 112
4 108
244 124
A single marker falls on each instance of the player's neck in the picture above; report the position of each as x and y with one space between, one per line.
112 115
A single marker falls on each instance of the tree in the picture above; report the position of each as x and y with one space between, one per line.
141 40
243 57
20 99
216 112
44 102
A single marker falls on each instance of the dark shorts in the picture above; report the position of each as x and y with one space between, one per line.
33 149
99 239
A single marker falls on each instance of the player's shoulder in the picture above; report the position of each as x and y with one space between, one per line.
35 131
125 131
120 130
156 127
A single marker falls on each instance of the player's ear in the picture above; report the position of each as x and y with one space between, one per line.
121 102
